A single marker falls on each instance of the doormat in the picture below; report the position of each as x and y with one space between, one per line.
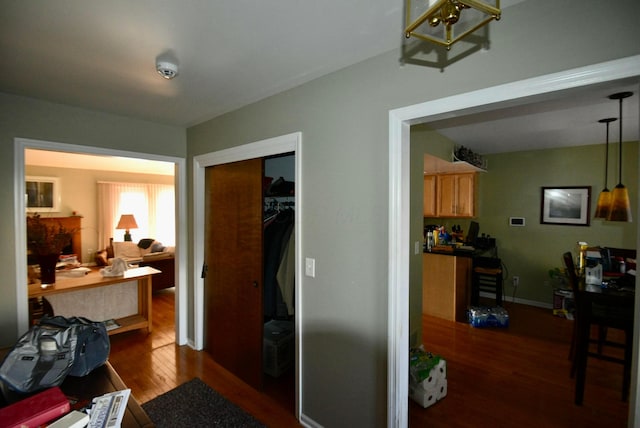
195 404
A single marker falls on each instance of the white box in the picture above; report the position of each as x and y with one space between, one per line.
277 347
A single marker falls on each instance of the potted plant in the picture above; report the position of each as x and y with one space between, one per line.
44 244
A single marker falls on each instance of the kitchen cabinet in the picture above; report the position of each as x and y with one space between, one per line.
450 195
446 280
456 195
430 206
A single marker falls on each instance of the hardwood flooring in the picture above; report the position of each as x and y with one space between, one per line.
152 364
515 377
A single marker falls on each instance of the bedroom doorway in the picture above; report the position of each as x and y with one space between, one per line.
178 180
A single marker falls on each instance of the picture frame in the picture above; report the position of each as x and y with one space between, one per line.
42 194
567 206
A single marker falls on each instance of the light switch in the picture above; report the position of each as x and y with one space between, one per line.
310 267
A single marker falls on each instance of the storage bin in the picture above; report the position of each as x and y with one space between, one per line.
277 347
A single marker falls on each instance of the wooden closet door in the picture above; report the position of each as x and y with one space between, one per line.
234 281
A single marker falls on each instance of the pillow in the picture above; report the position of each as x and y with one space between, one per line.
157 247
126 250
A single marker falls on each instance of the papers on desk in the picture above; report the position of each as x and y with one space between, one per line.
74 273
108 410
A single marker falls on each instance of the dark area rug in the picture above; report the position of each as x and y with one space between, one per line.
195 404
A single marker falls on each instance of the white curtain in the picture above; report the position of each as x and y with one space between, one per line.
152 205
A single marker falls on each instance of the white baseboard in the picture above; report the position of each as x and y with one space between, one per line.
518 300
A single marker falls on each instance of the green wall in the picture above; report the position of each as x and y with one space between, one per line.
511 187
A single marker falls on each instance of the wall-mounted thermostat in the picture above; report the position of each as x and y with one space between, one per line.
516 221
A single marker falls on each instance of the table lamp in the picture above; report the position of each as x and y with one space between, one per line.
127 221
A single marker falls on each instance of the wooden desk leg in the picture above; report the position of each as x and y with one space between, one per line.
144 300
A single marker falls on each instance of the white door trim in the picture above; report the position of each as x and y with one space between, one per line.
20 144
269 147
515 93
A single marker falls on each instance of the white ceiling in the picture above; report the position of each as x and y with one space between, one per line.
101 55
35 157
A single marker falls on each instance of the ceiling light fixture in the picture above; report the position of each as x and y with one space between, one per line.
167 69
604 199
620 205
445 22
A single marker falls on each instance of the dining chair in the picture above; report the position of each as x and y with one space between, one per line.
603 316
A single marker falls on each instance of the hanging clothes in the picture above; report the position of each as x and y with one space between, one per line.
276 237
286 273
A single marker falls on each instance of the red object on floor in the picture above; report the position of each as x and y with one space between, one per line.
35 410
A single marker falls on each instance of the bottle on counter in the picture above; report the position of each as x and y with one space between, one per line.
429 240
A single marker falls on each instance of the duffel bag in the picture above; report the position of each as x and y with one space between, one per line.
92 342
51 350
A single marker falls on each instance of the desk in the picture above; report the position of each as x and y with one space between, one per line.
588 295
142 319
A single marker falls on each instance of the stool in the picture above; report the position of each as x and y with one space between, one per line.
486 276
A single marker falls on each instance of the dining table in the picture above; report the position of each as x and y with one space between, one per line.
616 298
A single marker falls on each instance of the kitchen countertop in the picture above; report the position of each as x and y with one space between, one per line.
448 250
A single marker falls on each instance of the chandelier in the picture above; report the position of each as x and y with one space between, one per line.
445 22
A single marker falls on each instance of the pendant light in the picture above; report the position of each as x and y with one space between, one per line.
620 205
604 199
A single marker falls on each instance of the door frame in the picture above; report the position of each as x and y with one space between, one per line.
273 146
400 120
180 183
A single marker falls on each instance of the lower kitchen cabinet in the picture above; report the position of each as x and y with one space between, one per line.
446 281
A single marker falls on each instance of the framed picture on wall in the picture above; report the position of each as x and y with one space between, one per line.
566 205
42 194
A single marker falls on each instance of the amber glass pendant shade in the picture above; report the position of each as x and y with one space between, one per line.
604 199
604 204
620 204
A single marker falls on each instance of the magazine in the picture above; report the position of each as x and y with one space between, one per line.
108 410
111 324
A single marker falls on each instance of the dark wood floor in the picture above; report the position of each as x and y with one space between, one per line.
517 377
496 377
151 364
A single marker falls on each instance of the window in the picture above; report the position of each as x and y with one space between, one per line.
152 205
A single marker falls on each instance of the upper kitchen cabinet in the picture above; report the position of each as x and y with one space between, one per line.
449 188
455 195
430 205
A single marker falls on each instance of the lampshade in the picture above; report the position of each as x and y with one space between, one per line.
127 221
604 199
445 22
620 204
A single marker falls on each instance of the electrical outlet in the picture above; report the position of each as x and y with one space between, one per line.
516 281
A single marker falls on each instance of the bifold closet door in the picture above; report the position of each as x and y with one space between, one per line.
234 280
